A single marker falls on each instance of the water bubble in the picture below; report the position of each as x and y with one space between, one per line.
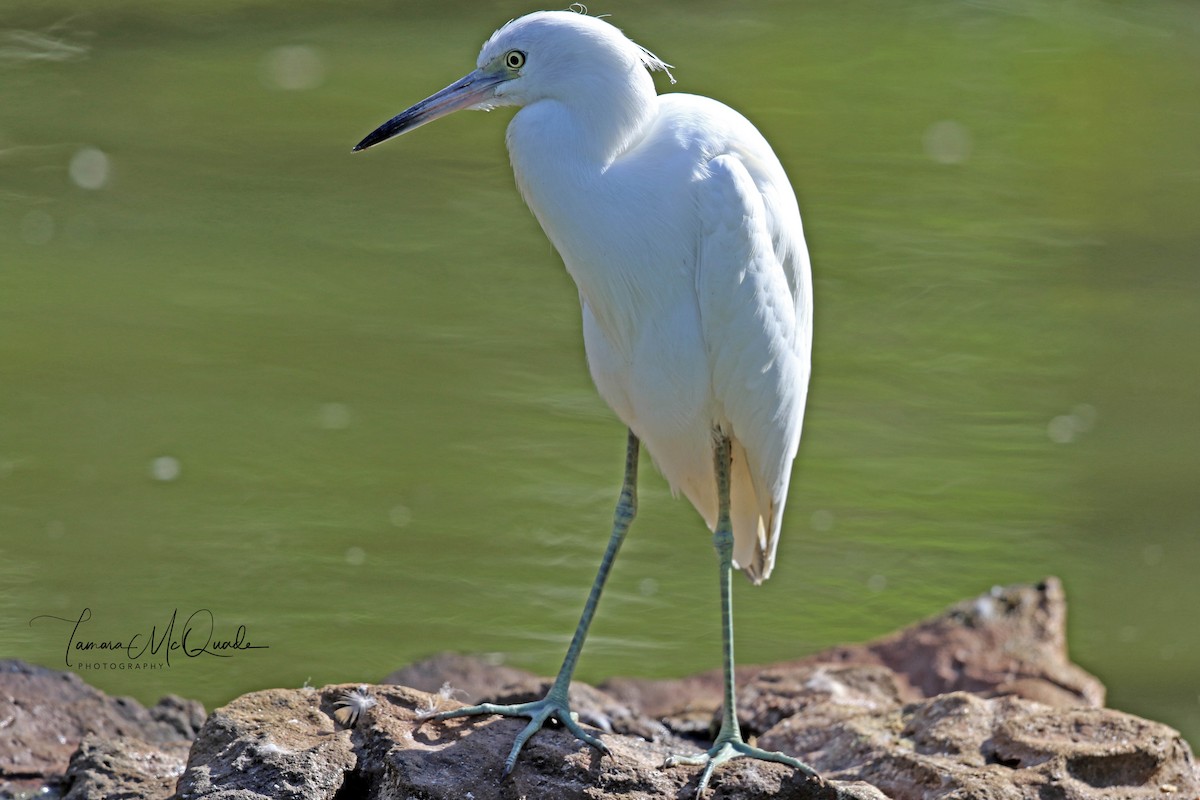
55 529
947 142
1061 429
293 67
821 520
648 587
355 556
335 416
1065 428
89 168
877 583
400 515
1152 554
165 468
37 227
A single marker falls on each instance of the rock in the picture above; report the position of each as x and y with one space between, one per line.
125 767
980 702
1010 640
958 745
278 743
815 691
468 678
45 715
286 744
471 680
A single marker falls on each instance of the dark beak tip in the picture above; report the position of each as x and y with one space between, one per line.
372 139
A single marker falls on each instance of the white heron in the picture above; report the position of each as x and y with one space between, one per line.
681 231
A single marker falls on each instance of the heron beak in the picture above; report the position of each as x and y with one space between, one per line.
470 90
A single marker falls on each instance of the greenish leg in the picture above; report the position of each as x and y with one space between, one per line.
555 703
729 744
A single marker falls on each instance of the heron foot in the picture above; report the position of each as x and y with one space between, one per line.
729 749
538 712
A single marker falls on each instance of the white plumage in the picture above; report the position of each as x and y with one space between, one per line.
681 231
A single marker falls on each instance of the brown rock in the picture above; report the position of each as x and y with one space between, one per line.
471 680
466 678
1010 640
894 716
833 690
279 743
45 714
124 767
958 745
286 744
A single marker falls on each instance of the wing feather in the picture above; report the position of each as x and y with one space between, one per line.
754 295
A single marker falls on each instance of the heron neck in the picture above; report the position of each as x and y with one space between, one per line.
590 129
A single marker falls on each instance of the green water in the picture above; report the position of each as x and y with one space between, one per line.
341 400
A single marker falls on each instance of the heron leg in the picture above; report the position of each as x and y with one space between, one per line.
555 703
729 744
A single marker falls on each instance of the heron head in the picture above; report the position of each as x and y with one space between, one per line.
559 55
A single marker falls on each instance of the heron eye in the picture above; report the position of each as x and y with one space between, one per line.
514 59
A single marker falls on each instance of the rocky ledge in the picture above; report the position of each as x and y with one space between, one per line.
979 702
